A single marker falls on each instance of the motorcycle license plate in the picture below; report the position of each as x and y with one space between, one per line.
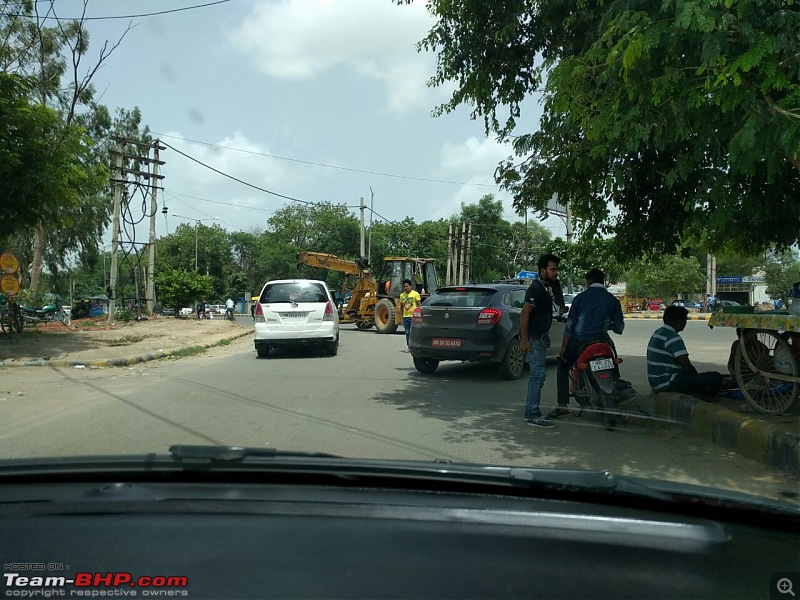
603 364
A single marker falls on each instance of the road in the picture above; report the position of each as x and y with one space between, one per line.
367 401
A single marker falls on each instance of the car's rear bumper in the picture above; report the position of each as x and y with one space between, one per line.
479 354
265 337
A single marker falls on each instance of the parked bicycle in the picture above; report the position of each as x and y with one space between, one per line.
11 321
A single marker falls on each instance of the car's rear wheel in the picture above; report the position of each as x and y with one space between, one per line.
426 365
384 316
332 348
263 351
513 362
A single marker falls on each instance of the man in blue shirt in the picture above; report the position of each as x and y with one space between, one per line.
590 317
668 365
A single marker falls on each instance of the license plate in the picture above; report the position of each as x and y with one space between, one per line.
294 314
604 364
446 343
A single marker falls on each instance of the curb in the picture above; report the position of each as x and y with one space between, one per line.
747 436
703 317
116 362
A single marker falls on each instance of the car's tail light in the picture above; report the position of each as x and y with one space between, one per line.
260 314
417 316
328 312
489 316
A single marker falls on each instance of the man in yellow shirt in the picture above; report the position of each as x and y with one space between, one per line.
409 300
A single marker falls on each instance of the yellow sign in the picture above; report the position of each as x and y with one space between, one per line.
9 263
10 285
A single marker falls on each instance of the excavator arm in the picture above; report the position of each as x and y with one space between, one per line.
328 261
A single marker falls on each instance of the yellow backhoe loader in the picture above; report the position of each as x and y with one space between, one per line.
375 300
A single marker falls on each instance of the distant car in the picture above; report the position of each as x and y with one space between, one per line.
167 312
568 298
725 303
656 304
690 304
185 312
295 312
476 323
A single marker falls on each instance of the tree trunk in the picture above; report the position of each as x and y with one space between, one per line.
38 259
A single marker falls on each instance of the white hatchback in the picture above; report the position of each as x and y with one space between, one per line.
296 312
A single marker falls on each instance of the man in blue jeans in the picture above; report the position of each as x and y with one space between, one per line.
535 322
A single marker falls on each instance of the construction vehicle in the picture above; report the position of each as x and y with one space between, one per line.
375 300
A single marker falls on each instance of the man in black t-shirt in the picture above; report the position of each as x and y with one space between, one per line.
535 321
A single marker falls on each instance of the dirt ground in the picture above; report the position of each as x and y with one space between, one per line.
96 339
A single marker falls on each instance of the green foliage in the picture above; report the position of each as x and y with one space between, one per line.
780 272
681 115
587 253
666 276
178 288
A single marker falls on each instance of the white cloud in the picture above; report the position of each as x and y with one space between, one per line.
473 155
300 39
200 190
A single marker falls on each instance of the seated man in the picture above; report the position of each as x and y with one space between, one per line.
668 365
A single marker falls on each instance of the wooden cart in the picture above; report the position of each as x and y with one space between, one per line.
767 362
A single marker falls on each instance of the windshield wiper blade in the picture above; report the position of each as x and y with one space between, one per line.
591 481
235 453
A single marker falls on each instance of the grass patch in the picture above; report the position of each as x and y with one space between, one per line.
190 351
224 342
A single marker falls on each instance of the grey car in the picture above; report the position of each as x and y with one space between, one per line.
476 323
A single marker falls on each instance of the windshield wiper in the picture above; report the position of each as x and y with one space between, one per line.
235 453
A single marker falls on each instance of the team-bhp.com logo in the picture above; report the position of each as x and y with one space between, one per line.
88 584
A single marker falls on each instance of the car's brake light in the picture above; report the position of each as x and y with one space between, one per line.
328 312
259 314
489 316
417 316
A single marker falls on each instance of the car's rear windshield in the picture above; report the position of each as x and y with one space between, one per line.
461 296
293 292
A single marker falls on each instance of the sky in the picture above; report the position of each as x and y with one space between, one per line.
318 100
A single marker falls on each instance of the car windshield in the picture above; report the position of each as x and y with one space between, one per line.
436 179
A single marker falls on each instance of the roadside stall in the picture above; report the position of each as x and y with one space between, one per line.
767 358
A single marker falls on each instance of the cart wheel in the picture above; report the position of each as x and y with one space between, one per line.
760 353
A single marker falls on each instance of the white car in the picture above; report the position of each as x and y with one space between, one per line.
296 312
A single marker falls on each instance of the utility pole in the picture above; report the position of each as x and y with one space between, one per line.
462 258
119 151
569 224
527 235
150 292
363 251
469 253
371 212
447 280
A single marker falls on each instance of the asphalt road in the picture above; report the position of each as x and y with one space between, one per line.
368 401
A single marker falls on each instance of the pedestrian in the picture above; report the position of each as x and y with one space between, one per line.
668 364
409 300
593 312
536 319
201 309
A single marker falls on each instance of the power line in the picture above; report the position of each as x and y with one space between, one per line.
152 14
255 187
317 164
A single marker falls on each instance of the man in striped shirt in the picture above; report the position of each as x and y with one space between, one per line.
668 365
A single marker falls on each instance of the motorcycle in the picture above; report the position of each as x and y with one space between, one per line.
595 382
229 314
48 313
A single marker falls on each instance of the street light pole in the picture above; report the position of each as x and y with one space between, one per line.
196 225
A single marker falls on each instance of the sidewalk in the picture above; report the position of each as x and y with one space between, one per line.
770 439
660 315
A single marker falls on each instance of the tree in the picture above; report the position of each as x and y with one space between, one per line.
179 288
780 272
667 276
682 115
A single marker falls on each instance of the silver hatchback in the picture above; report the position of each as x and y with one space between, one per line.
296 312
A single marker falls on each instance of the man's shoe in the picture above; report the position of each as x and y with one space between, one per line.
540 421
561 411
